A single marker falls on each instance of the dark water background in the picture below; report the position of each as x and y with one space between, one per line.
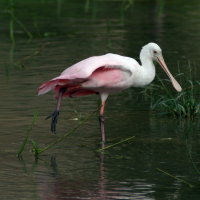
65 32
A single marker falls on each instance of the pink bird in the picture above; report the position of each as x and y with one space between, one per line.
104 75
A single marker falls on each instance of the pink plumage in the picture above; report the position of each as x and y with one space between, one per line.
104 75
89 76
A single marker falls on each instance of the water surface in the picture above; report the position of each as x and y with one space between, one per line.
65 32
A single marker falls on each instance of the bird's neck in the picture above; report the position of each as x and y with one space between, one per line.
148 69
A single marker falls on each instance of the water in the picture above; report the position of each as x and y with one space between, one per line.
64 33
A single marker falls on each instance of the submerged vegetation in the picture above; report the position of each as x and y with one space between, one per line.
26 139
37 151
31 26
184 104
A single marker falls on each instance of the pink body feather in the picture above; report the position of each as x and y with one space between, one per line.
104 75
93 75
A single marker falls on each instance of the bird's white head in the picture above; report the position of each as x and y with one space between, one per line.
152 51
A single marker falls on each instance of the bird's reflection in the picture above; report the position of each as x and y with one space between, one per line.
55 186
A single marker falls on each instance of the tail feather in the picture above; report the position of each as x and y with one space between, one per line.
50 85
46 87
56 84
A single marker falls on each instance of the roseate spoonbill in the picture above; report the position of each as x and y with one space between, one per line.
104 75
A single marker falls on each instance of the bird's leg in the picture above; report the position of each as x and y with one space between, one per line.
101 120
55 114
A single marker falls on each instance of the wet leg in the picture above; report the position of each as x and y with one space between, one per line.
101 117
102 124
55 114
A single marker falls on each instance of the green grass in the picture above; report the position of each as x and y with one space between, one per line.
115 144
14 20
26 139
165 101
35 147
176 178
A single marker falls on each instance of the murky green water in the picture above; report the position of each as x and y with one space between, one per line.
65 32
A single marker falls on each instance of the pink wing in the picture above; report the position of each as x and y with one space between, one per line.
81 71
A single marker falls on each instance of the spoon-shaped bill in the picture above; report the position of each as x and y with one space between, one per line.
162 63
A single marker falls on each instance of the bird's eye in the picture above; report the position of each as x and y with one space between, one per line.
154 52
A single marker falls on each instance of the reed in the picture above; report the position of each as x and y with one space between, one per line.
188 144
38 151
23 27
11 24
26 139
14 20
115 144
176 178
179 105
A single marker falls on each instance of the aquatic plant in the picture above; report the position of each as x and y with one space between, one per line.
180 105
35 147
176 178
13 20
26 139
126 4
115 144
37 151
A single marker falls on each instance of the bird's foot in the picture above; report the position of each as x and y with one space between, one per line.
54 120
